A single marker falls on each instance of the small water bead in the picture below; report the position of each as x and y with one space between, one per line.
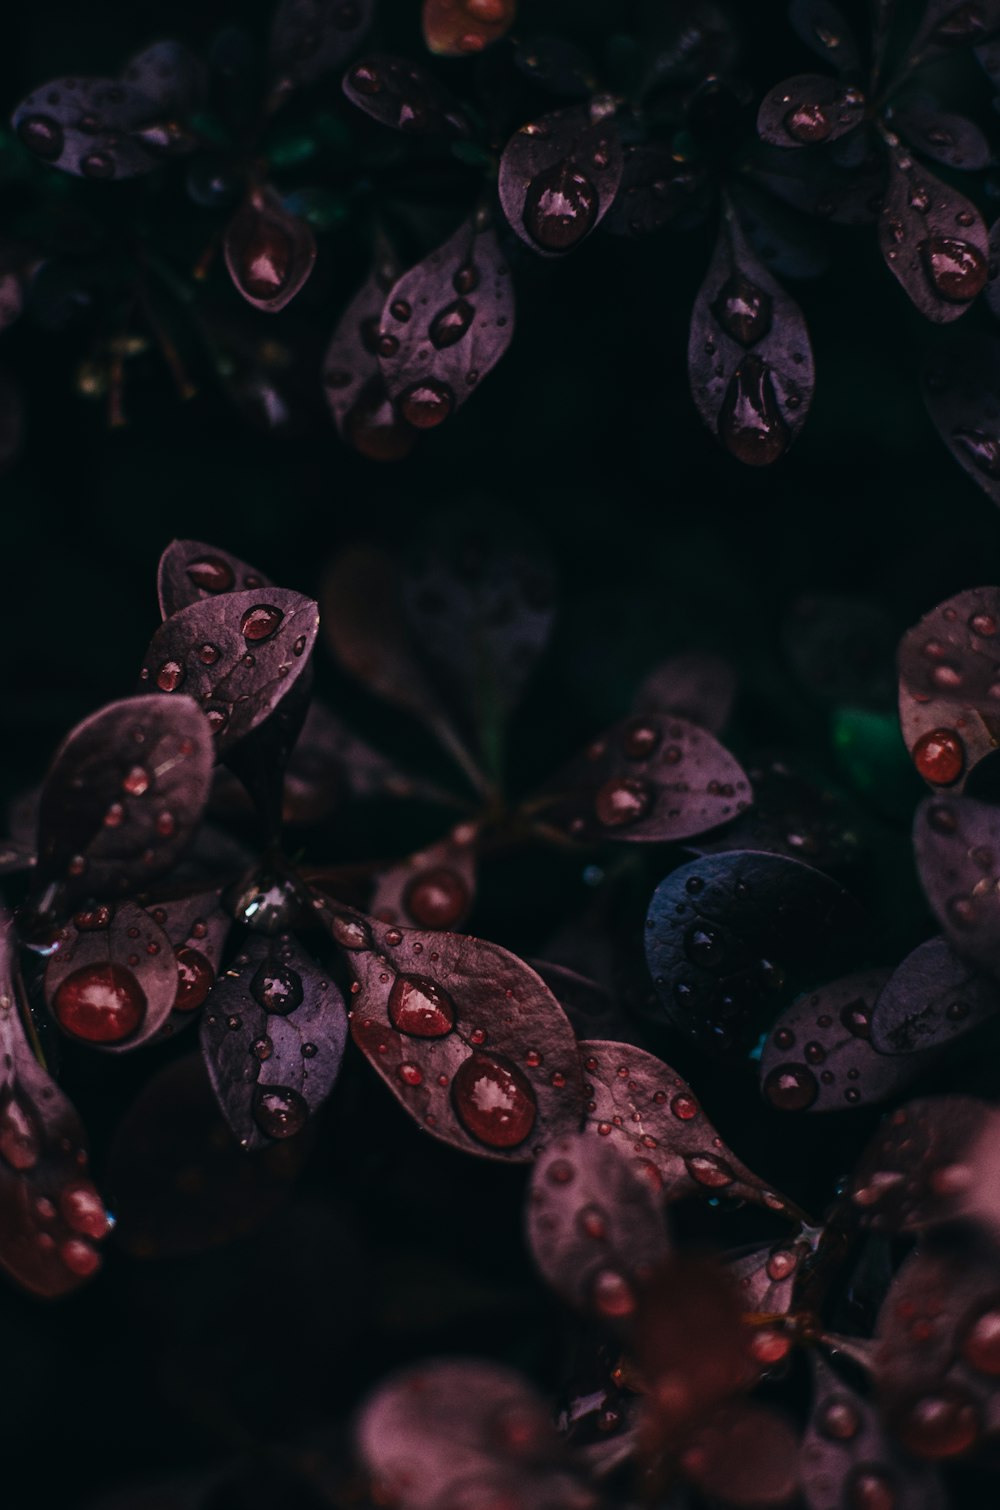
623 800
477 1036
426 404
366 79
815 1053
83 1210
400 310
95 919
260 622
942 819
769 1345
560 208
165 824
170 676
494 1101
100 1003
939 756
781 1264
349 933
208 654
784 1039
870 1488
956 269
532 1059
262 1049
743 310
640 739
18 1138
279 1111
265 263
705 945
97 165
750 421
410 1074
437 898
791 1087
211 574
419 1007
466 280
856 1017
561 1172
42 135
962 911
113 815
612 1294
980 1346
450 324
277 988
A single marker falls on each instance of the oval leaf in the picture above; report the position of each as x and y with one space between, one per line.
943 137
957 846
933 240
404 96
807 109
269 253
433 889
916 1172
190 571
559 176
113 979
695 684
931 998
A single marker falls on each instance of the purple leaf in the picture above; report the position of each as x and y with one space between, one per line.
653 778
767 1277
364 414
638 1102
822 26
656 190
273 1039
747 1455
197 929
916 1172
724 935
452 30
957 845
113 979
962 394
239 655
944 137
842 649
269 253
819 1056
330 764
948 25
931 998
466 1036
190 571
807 109
51 1216
749 359
433 889
312 37
933 239
123 797
445 324
403 96
695 684
595 1226
559 176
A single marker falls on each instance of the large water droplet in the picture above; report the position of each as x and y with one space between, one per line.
940 1425
195 978
420 1008
622 801
82 1209
981 1343
450 324
791 1087
612 1293
279 1112
743 310
957 269
266 260
560 207
170 676
750 422
260 622
808 123
939 756
41 135
101 1003
437 898
211 574
426 404
707 1170
277 987
493 1101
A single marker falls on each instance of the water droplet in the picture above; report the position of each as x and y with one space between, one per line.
709 1171
101 1003
956 268
260 622
279 1112
640 739
420 1008
870 1489
839 1420
208 654
41 135
941 1425
808 123
426 404
266 260
781 1263
560 1172
366 79
466 280
857 1019
450 324
560 208
613 1295
750 422
743 310
79 1257
592 1223
400 310
705 945
136 781
622 801
437 898
97 165
211 574
82 1209
939 756
410 1074
170 676
791 1087
684 1107
18 1138
981 1344
942 819
494 1101
982 450
277 987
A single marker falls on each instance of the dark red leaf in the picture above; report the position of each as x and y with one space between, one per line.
695 684
962 394
190 571
466 1036
458 28
747 1454
916 1172
559 176
842 649
594 1225
652 778
312 37
590 1006
933 239
123 797
949 692
824 28
273 1037
931 998
352 380
433 889
445 324
638 1102
957 846
809 108
239 655
179 1181
113 978
727 936
51 1216
403 95
269 252
944 137
749 358
197 929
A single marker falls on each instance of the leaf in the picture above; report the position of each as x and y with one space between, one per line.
636 1101
432 889
466 1036
727 936
103 129
956 842
916 1171
788 244
454 1431
113 978
403 96
768 1277
944 137
948 25
313 37
51 1216
652 778
269 252
933 240
179 1180
590 1006
445 324
962 392
656 190
931 998
124 794
845 1451
842 649
364 414
807 109
330 764
818 184
948 709
819 1056
457 30
559 176
273 1039
197 929
239 655
696 684
822 26
746 1455
749 359
594 1226
191 571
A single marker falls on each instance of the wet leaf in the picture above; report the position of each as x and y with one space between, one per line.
746 1455
788 244
695 684
364 414
313 37
767 1277
808 109
962 392
820 1057
124 794
239 655
113 979
432 889
403 96
594 1226
948 25
842 649
944 137
190 571
269 252
51 1216
466 1036
445 324
948 709
824 28
933 240
956 842
590 1006
727 936
197 929
931 998
559 176
637 1102
916 1171
749 359
273 1039
656 190
652 778
179 1181
458 28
